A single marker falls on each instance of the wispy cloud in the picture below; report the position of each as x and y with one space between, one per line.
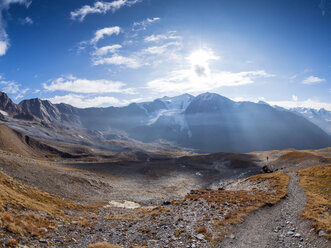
172 35
27 21
4 40
83 101
183 81
118 60
12 87
313 80
137 26
162 49
100 7
198 77
79 85
101 33
102 51
309 103
295 98
325 6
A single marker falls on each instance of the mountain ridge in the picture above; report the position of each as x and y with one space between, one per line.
208 122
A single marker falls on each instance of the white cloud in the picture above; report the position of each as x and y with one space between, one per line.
12 87
309 103
102 51
188 81
137 26
313 80
294 98
161 49
77 85
4 44
161 37
27 20
118 60
82 101
198 77
101 33
293 77
4 40
100 7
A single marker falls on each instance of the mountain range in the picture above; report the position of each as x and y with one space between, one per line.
207 123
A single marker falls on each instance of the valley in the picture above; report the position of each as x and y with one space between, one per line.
65 185
165 124
133 199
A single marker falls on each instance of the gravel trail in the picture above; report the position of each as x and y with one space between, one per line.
278 226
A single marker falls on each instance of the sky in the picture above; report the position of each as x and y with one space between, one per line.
90 53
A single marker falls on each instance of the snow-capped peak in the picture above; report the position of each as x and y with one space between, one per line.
177 102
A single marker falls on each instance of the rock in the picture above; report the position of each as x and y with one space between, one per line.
266 169
322 233
43 241
297 235
290 233
57 240
200 236
232 236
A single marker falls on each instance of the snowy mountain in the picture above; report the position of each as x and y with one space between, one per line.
178 102
321 118
208 122
213 123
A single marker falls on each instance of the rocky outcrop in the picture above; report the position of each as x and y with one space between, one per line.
7 105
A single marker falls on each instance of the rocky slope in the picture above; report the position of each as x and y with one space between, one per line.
321 117
269 203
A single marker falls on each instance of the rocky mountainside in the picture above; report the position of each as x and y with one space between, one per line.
213 123
321 117
7 105
208 122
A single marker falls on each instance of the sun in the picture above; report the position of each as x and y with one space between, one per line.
199 61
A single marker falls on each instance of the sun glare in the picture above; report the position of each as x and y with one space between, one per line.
200 57
199 61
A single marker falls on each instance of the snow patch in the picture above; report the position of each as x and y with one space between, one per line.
177 102
123 204
4 113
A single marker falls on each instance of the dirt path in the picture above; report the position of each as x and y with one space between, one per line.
278 226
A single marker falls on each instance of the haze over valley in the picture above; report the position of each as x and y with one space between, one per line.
152 123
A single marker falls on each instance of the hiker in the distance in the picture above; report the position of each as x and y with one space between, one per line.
267 158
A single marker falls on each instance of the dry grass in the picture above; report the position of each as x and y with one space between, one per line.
25 224
298 156
124 217
21 205
241 202
21 197
103 245
316 182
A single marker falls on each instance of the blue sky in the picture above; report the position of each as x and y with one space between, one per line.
102 53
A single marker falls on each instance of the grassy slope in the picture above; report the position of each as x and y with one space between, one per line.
26 211
316 182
